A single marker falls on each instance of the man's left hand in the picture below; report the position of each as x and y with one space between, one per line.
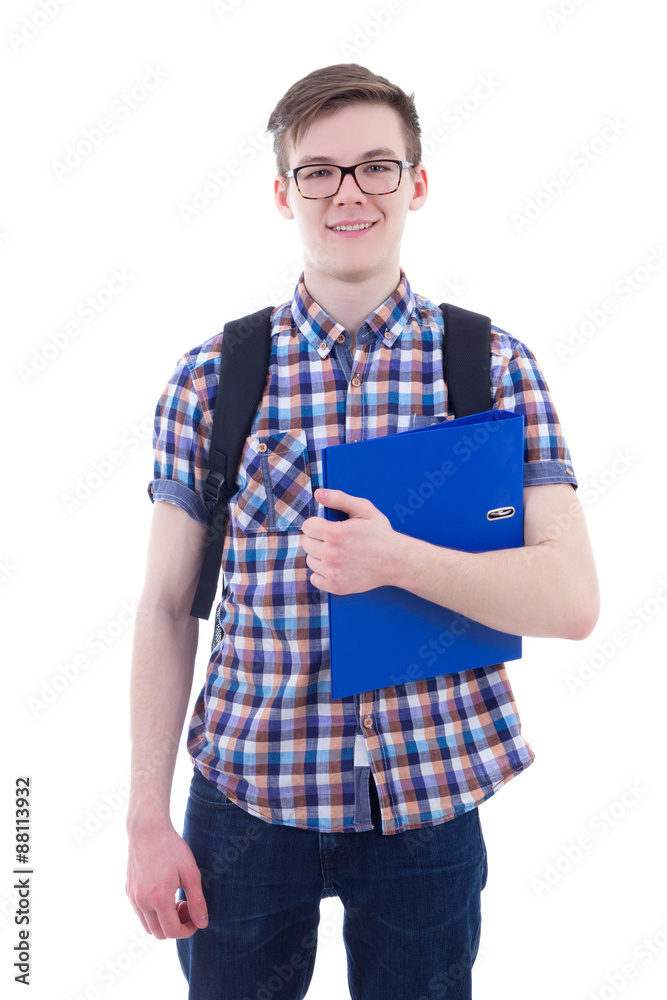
351 556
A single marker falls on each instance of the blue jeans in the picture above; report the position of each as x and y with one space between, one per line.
412 914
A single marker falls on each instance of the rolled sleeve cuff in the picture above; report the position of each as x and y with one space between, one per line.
546 473
182 496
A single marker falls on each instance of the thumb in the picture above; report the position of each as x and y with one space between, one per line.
194 908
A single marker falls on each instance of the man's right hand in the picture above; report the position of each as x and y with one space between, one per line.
159 863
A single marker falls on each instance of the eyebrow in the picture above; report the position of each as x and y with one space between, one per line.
370 154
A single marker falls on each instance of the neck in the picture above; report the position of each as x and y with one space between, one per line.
350 301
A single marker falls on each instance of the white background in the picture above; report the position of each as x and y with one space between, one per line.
71 569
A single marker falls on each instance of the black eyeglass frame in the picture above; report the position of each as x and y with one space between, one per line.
344 171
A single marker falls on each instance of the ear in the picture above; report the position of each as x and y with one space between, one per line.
281 191
420 190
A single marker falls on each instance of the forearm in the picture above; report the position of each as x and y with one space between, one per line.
524 591
163 657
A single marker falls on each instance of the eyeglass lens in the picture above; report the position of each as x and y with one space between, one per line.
375 177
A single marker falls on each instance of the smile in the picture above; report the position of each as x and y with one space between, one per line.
351 229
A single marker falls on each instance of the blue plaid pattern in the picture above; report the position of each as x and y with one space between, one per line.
264 727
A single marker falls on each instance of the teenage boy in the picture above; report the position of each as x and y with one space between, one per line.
372 797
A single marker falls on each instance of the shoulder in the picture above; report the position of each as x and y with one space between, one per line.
502 345
202 362
506 347
202 358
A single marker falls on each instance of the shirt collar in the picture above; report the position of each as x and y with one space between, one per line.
387 322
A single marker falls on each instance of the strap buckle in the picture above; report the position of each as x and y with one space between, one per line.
213 486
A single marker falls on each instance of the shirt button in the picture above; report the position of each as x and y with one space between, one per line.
340 338
262 446
569 472
387 334
368 723
323 344
356 380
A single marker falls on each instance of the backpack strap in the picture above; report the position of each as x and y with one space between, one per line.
467 360
244 364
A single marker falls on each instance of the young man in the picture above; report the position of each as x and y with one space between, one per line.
372 797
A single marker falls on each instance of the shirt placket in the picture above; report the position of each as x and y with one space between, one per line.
358 370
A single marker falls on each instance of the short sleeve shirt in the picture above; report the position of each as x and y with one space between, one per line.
264 727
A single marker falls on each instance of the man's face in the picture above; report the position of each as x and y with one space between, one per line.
349 136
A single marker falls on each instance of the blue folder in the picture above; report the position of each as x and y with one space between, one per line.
459 484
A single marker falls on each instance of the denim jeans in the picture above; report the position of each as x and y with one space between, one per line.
412 913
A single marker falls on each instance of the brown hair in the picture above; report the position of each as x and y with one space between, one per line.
327 90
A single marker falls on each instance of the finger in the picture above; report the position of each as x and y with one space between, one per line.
170 923
160 913
146 913
140 914
182 910
196 903
154 925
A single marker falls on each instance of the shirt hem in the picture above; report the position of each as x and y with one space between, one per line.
181 496
539 473
506 776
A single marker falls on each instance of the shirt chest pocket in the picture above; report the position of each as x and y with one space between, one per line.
425 419
276 492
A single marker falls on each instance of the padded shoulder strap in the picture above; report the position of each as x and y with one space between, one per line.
244 363
467 360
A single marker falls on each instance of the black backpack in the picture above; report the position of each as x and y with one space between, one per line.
246 347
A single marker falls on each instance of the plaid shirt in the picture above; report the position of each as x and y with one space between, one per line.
264 727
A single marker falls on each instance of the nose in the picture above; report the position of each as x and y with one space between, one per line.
349 191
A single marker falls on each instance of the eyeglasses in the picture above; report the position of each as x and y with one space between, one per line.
323 180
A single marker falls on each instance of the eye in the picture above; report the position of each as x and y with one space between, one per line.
315 173
376 168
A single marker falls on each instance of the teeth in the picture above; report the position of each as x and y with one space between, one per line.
348 229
